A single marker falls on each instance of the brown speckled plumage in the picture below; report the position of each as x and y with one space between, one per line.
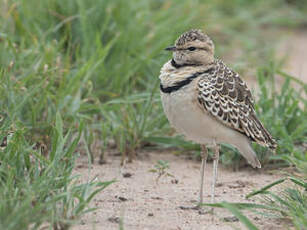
193 35
226 97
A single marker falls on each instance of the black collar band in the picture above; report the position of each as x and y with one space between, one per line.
180 84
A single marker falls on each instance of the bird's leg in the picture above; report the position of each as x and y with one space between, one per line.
215 158
204 156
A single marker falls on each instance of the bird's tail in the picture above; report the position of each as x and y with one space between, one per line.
249 154
266 138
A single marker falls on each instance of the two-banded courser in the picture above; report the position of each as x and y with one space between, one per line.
209 103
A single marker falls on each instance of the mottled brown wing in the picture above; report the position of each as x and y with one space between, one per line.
226 97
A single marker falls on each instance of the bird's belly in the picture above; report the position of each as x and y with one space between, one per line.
186 116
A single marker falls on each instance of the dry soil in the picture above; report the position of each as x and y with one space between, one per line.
143 203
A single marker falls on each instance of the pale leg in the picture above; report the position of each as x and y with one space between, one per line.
204 156
216 156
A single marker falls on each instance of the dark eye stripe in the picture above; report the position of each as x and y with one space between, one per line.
192 48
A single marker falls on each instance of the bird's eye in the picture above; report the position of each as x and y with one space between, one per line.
192 48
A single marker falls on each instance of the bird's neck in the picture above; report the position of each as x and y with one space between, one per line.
171 75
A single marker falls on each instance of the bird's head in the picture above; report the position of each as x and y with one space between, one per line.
193 48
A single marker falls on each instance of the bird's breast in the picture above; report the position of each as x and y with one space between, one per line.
185 115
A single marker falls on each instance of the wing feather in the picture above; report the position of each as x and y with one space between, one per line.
226 97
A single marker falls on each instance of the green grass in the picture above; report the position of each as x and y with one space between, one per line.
286 203
289 204
37 190
76 73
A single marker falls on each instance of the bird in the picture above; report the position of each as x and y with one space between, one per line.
208 103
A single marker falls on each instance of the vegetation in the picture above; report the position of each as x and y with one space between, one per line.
78 73
161 169
289 204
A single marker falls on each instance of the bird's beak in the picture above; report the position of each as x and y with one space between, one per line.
171 48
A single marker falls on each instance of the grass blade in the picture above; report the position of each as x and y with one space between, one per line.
262 190
239 215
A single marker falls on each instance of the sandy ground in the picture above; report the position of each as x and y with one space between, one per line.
143 204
